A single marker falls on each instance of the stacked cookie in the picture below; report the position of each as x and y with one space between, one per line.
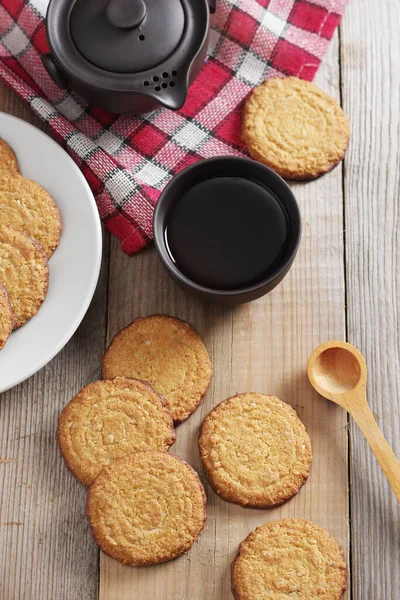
144 505
30 229
168 354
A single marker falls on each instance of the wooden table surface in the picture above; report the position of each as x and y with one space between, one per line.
345 284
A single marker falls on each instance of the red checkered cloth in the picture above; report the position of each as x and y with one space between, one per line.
127 159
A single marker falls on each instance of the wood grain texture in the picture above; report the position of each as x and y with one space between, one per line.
370 51
262 346
46 550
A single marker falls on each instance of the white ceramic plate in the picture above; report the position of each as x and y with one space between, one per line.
74 266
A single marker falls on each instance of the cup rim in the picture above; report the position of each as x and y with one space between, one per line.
293 213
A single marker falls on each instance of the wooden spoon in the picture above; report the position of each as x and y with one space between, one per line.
338 372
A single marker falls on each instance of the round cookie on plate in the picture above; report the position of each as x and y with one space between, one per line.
255 450
168 354
24 272
8 160
146 508
25 205
290 557
109 419
6 317
295 128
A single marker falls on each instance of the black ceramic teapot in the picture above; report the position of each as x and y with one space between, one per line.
128 56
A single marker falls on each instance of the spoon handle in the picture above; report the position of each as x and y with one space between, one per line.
379 446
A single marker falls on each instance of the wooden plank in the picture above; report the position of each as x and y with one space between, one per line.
262 346
46 550
370 50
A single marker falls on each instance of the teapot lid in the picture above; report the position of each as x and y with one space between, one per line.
127 36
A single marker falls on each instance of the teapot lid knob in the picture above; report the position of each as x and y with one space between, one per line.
125 14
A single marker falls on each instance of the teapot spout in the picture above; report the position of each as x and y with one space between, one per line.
174 97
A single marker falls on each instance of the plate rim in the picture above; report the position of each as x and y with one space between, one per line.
96 272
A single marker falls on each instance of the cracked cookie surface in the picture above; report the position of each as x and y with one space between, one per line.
255 450
28 207
24 272
167 353
109 419
290 558
146 508
295 128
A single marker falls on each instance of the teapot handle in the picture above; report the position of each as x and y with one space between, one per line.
212 5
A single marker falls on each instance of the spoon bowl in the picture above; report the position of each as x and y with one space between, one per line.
338 372
335 369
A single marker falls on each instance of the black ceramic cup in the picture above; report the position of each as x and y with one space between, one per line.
239 172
